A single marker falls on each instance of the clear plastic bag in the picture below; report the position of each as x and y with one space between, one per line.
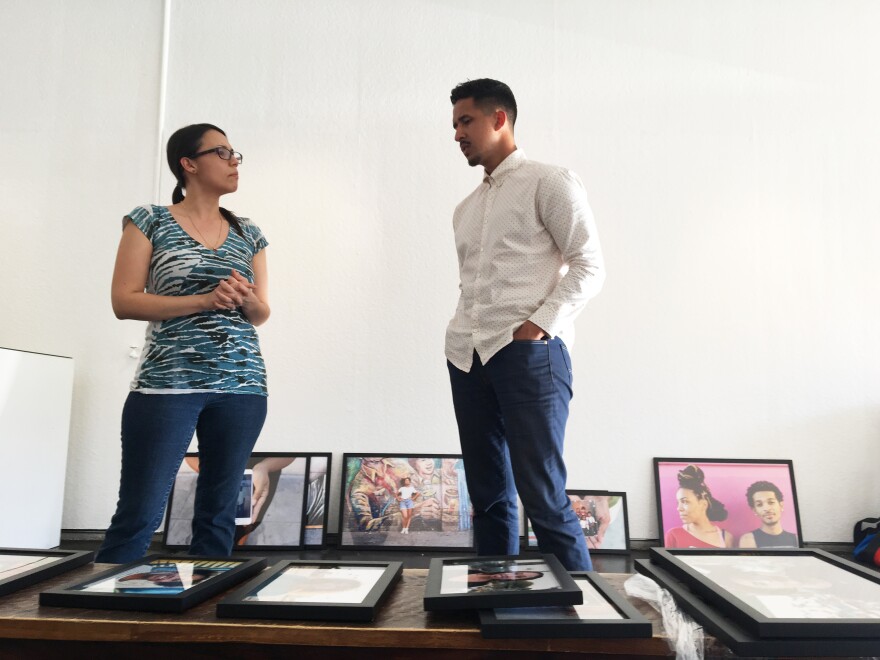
685 637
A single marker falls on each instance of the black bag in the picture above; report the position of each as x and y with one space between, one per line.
866 538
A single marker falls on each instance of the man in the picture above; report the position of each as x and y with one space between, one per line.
529 259
765 500
371 495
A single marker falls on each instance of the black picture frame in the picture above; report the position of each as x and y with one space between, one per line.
450 584
761 591
369 513
36 565
293 517
742 642
600 599
728 480
362 605
143 597
614 538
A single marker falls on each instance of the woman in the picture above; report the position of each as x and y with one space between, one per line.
197 273
697 509
405 495
427 481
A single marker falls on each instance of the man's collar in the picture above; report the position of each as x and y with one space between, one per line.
516 158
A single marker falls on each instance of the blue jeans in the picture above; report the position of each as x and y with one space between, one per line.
156 431
511 415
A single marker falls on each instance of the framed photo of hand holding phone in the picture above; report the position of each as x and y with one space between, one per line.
282 502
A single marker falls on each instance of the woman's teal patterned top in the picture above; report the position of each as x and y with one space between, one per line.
214 351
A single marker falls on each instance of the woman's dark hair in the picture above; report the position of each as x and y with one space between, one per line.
184 143
693 479
488 94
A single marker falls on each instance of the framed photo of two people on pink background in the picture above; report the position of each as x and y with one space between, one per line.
727 503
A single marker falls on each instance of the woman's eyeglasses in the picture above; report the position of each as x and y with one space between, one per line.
223 152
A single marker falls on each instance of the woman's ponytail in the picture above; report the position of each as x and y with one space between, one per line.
177 195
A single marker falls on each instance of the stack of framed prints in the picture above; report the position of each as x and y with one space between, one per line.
314 591
774 601
603 519
404 501
283 502
21 568
726 503
157 583
604 613
469 583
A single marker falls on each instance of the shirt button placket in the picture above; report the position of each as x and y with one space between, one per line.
487 208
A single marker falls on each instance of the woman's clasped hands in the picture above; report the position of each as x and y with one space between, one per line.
234 291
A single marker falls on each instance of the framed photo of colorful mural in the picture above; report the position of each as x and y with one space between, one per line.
283 502
727 503
603 519
404 501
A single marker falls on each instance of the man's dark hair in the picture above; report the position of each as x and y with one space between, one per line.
760 486
488 94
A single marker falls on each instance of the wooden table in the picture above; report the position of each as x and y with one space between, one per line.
402 630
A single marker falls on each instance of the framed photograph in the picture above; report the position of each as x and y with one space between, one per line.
726 503
314 591
156 583
603 519
472 583
782 593
742 642
282 503
21 568
405 501
604 613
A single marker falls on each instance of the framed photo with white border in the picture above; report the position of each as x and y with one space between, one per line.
742 642
314 591
604 613
22 567
473 583
797 593
156 583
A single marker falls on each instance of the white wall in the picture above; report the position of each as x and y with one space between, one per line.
730 153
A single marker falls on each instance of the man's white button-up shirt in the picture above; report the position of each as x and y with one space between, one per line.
527 250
